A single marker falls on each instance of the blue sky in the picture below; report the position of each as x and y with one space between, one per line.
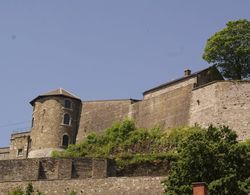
100 49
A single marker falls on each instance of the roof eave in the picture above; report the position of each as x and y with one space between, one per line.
55 95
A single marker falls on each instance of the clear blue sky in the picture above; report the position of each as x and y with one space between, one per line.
100 49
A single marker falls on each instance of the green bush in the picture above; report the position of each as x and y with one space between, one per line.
129 145
17 191
213 156
29 190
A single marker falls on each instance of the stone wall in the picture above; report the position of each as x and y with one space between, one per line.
110 186
54 168
223 103
171 87
99 115
4 153
151 169
19 146
166 110
19 170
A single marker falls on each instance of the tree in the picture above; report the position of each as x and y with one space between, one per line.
213 156
229 50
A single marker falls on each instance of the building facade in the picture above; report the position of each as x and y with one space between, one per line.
60 118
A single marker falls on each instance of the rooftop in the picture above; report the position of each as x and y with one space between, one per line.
187 75
57 92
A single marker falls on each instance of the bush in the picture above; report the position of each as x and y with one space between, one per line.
28 191
129 145
213 156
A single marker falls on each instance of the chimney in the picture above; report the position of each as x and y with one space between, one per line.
187 72
199 188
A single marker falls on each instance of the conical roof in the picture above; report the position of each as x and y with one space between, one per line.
57 92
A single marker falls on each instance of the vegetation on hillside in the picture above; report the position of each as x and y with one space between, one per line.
129 145
196 154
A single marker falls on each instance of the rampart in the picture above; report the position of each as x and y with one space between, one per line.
101 186
83 175
55 169
222 103
99 115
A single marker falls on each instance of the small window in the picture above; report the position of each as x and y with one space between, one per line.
65 141
66 119
67 104
20 152
32 122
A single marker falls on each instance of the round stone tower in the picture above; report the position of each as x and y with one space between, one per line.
55 122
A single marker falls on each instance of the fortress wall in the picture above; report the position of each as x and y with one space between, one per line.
166 110
203 109
110 186
169 88
96 116
19 170
55 168
223 103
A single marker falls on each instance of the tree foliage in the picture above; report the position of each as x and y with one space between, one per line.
229 50
213 156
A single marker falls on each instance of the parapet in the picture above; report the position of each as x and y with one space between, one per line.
54 169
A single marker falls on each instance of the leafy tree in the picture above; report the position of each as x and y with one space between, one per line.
213 156
229 50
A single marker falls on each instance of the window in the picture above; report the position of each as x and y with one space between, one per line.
66 119
65 141
20 152
32 122
67 104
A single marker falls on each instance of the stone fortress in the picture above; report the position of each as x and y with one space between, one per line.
60 118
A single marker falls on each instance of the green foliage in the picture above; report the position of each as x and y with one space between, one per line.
213 156
28 191
229 50
210 155
129 145
16 191
72 193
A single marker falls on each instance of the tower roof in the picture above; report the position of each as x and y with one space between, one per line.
57 92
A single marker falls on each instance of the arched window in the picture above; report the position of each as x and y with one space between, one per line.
65 141
67 104
66 119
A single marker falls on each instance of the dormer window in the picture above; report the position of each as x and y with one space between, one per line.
67 104
66 119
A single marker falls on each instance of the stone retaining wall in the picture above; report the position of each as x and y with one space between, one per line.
107 186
